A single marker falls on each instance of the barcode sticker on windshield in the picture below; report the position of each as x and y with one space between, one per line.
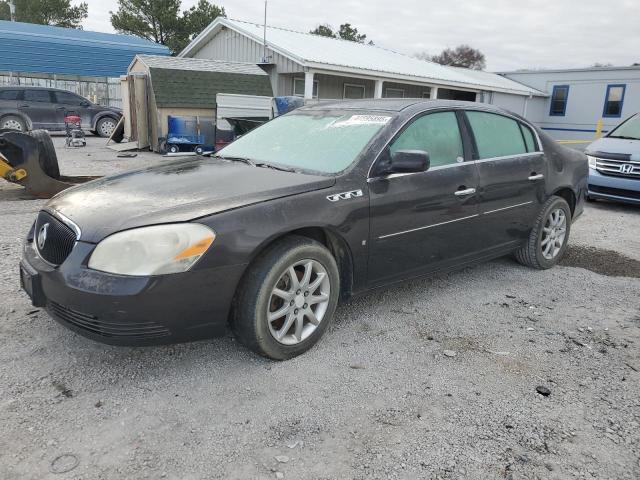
363 120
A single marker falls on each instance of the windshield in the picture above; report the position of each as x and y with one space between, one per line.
629 129
327 142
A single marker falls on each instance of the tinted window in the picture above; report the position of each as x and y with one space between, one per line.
559 99
37 96
436 133
9 94
613 100
496 136
69 98
528 138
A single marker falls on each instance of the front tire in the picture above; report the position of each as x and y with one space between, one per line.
106 126
549 237
287 298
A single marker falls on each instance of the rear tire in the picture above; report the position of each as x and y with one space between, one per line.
278 317
48 158
13 122
549 237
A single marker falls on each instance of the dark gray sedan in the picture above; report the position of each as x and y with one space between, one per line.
313 207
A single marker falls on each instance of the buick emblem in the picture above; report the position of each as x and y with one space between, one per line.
626 168
42 235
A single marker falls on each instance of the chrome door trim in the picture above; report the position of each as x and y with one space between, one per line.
425 227
507 208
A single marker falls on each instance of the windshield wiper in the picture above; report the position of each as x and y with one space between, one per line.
237 159
624 137
274 167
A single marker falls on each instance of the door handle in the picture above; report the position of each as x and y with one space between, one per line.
535 177
462 193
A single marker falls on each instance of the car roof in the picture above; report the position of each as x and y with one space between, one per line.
399 105
29 87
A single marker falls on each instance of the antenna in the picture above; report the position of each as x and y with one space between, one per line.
264 34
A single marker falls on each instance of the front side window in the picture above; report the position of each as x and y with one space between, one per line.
528 138
322 141
629 129
496 135
559 99
298 87
437 134
37 96
613 100
69 98
353 91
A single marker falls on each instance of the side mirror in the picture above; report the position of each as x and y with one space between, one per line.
409 161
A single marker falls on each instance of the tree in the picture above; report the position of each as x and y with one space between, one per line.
160 20
324 31
345 32
59 13
198 17
462 56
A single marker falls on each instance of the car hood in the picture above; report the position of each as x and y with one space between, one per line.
177 191
618 146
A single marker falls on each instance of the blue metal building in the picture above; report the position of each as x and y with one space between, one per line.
29 48
86 63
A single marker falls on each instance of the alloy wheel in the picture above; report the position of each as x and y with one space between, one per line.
554 233
107 128
12 124
298 302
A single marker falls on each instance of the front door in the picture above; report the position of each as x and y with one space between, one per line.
423 221
512 169
68 103
37 104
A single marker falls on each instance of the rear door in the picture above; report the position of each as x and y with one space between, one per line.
68 103
424 221
37 104
511 167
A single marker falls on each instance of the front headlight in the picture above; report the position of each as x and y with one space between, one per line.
155 250
592 161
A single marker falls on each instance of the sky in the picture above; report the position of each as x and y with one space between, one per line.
513 34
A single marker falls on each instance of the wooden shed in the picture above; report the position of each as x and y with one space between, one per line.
156 87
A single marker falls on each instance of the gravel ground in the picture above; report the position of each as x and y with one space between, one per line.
430 379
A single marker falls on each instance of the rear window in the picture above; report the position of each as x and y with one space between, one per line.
496 136
9 94
37 96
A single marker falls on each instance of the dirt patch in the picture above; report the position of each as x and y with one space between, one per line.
598 260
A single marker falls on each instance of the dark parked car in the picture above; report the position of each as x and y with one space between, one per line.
33 108
315 206
614 164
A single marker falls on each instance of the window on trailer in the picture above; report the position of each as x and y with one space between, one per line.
613 100
559 98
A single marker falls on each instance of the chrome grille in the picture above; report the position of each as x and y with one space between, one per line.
53 239
619 168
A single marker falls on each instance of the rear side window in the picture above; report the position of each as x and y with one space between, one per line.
9 94
496 136
528 138
37 96
68 98
437 134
